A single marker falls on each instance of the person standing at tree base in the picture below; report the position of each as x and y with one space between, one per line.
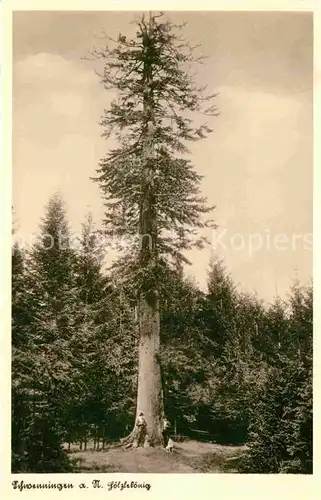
141 428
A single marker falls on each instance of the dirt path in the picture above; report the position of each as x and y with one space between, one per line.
188 457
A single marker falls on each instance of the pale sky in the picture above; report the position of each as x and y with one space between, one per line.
257 165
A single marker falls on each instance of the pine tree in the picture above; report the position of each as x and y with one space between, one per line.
186 364
151 190
48 365
103 345
301 321
280 437
276 332
219 309
19 349
90 281
19 312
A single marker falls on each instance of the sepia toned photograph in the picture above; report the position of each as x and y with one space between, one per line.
162 242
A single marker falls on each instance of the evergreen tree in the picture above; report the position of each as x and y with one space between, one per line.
19 310
19 338
186 365
48 369
103 347
301 322
91 283
151 190
219 308
275 331
280 438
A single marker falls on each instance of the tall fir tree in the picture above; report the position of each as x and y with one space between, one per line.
150 188
50 290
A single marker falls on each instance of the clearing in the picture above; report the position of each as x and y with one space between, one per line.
188 457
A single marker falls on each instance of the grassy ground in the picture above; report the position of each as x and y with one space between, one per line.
188 457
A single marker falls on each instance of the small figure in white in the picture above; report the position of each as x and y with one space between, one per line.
170 446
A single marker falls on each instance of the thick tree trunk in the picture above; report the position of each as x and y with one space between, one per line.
149 394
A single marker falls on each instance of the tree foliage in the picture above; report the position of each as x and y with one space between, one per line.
156 98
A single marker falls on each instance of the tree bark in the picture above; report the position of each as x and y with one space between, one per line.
149 392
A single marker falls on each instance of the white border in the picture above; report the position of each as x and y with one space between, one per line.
221 486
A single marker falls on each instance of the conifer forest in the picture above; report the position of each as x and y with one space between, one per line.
96 343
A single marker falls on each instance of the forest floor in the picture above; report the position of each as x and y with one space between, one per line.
187 457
